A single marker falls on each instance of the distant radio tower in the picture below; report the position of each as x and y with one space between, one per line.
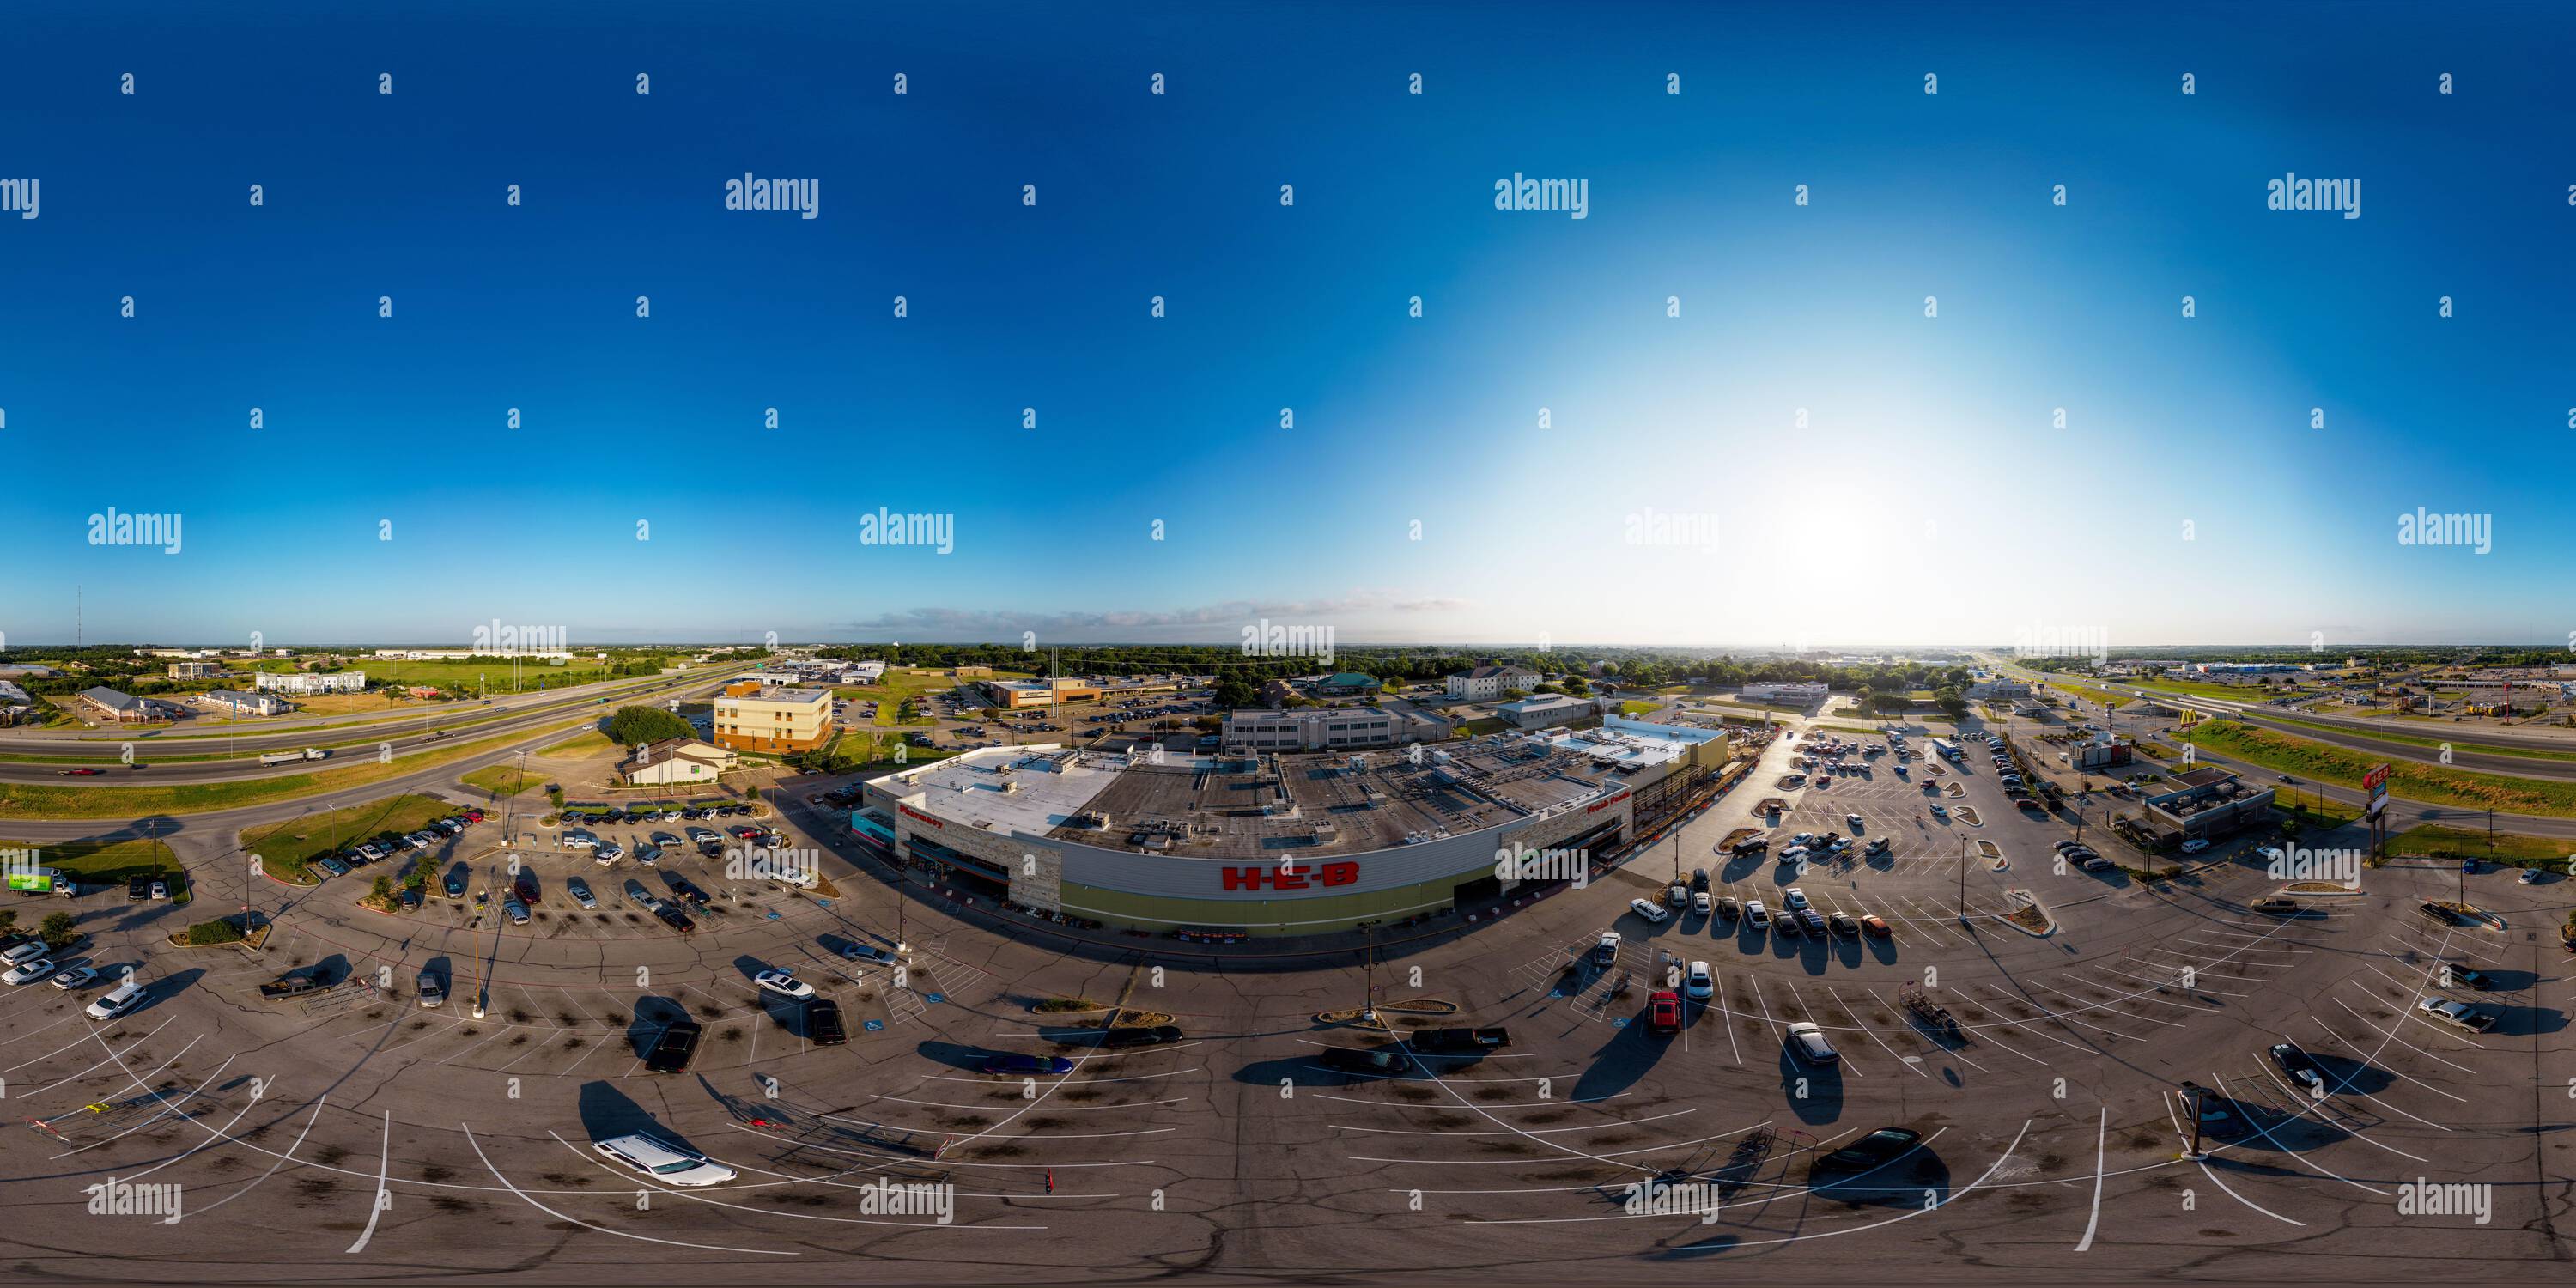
77 638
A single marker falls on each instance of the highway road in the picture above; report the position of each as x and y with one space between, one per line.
527 718
240 750
295 732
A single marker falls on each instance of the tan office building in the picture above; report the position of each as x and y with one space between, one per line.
749 719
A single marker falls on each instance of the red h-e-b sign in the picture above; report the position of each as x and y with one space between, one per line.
1265 877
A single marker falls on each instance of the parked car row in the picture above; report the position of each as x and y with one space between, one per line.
386 845
644 814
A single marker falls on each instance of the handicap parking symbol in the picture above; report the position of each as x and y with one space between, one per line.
934 997
1556 993
1619 1022
873 1026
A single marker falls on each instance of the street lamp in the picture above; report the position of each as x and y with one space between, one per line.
2196 1097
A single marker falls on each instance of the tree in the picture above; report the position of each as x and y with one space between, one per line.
57 930
1234 692
1950 700
384 887
632 725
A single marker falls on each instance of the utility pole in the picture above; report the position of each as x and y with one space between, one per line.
2195 1096
1963 880
1368 1009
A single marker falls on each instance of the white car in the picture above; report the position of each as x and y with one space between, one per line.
664 1161
1701 984
125 998
1797 898
2529 876
31 948
1794 854
1802 838
1701 903
2193 846
1646 908
579 841
608 851
76 977
785 983
29 972
1853 820
1755 915
1807 1042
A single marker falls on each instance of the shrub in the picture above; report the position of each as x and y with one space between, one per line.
218 931
57 930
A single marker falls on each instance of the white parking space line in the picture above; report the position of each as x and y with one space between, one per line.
1914 1063
2220 1081
2297 1095
2101 1154
506 1183
2392 1036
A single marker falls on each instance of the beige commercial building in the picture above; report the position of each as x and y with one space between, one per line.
748 718
677 760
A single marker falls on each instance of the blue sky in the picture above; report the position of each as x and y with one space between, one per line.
1930 497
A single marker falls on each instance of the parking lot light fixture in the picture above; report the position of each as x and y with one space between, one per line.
2195 1097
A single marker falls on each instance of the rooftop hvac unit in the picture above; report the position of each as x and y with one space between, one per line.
1010 789
1441 758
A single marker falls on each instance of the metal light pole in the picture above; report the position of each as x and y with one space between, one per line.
2196 1096
1963 880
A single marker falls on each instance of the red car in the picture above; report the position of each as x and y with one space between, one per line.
473 816
1664 1013
84 773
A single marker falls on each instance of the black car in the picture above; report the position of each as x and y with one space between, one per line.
2435 913
682 887
674 918
1379 1061
2463 977
823 1023
411 899
455 885
1123 1039
671 1050
139 888
2297 1065
1699 880
1869 1153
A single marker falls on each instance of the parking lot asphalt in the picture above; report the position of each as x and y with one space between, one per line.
355 1133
